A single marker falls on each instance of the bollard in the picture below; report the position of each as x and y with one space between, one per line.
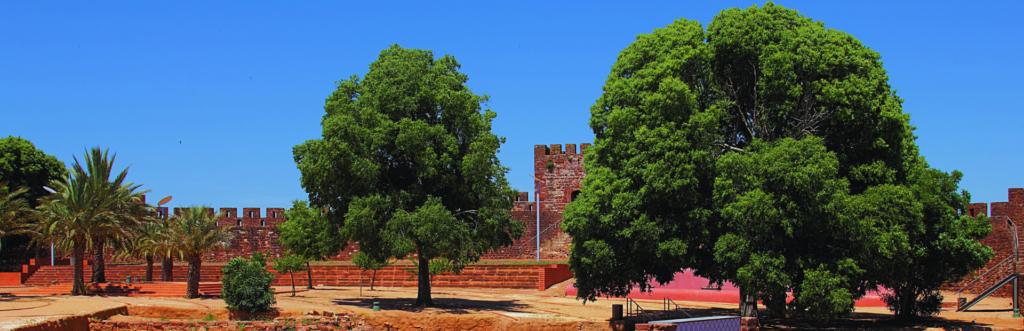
616 312
376 306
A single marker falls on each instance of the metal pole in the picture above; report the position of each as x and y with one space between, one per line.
1016 311
536 196
51 253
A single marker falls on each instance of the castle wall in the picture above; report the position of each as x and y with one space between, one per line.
1005 219
255 230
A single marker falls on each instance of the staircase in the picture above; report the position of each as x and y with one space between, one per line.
60 274
1002 273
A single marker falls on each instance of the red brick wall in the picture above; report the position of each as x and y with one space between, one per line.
254 231
10 278
482 276
563 178
1001 241
554 242
551 275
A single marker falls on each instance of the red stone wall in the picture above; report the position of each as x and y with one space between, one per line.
1005 217
255 231
554 242
561 179
10 279
477 275
552 275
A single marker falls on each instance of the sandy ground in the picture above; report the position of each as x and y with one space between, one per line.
506 307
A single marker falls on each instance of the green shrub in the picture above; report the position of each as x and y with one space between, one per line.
247 284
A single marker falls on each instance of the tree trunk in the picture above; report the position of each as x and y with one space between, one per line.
98 267
167 268
748 304
906 302
292 274
309 273
149 267
195 262
78 279
423 294
373 279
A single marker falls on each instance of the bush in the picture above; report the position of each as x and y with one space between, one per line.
247 284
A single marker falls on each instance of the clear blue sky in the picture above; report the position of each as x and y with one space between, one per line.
240 83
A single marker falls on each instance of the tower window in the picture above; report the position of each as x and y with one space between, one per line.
239 223
250 214
572 197
228 214
530 207
275 214
263 223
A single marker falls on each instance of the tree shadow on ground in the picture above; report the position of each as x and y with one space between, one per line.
866 321
447 305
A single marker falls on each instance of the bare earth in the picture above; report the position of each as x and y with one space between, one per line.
469 309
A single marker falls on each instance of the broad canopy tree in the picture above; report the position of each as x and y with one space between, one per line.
27 169
407 165
756 152
22 165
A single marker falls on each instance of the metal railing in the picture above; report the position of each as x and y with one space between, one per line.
633 309
1007 265
1010 258
666 304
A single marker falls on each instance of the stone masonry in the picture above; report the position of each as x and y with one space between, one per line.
1007 220
256 231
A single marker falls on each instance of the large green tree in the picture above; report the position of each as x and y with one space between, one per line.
742 152
310 235
407 165
22 165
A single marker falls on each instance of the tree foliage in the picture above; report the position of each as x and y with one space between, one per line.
246 284
193 234
309 234
289 264
407 164
924 238
86 209
364 262
15 214
751 153
22 165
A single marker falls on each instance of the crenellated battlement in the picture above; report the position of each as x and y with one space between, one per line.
561 174
229 216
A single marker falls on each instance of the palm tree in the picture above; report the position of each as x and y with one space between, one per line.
196 232
85 209
15 213
126 209
144 242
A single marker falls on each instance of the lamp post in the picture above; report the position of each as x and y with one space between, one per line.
537 183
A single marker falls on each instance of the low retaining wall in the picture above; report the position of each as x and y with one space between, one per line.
343 322
478 276
10 278
73 323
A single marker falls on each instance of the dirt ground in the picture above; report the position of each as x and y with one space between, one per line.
472 309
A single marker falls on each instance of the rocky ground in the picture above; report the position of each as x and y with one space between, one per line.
456 309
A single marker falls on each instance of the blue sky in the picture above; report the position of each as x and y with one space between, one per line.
205 100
